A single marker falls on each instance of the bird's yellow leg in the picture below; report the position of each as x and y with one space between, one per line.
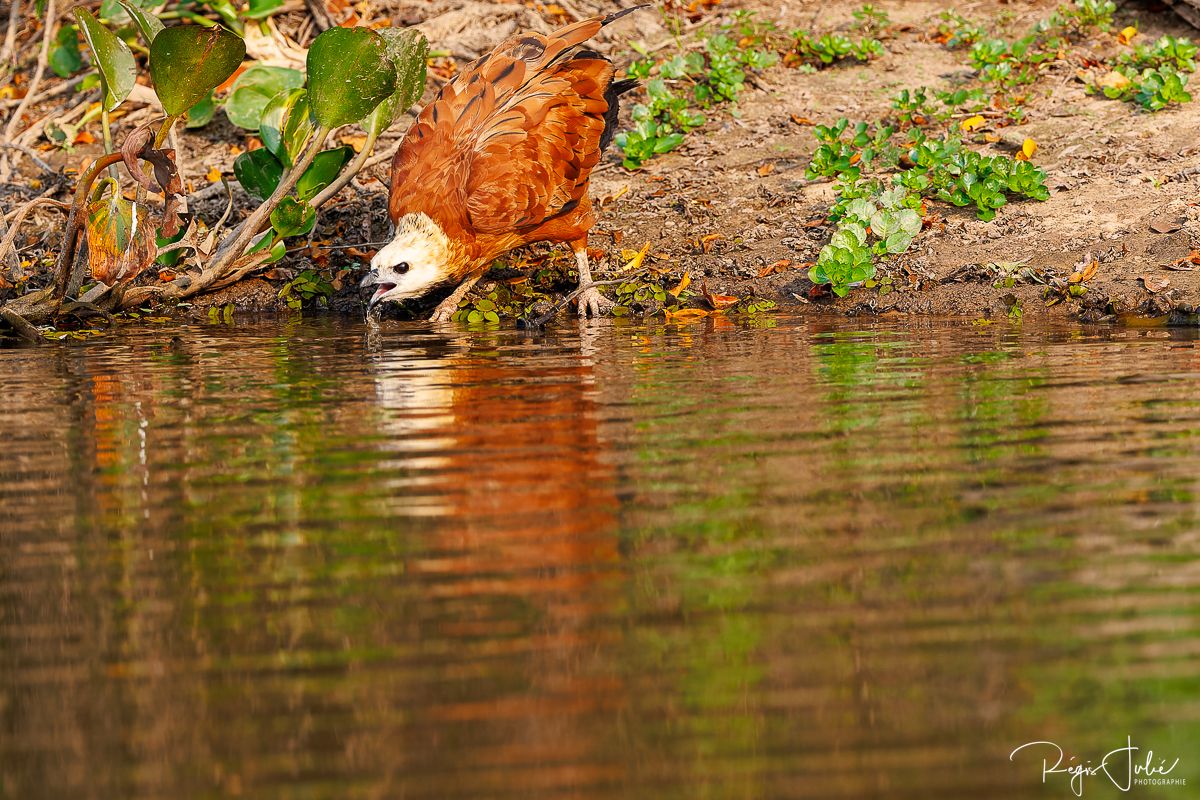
447 307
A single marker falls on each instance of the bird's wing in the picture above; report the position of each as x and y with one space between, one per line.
532 158
512 139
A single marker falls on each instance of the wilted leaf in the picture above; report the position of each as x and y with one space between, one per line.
287 125
120 238
355 142
1153 283
349 74
147 23
679 287
292 218
1167 223
254 88
189 61
114 60
1114 80
717 301
258 172
635 262
1028 148
685 314
322 171
973 123
766 169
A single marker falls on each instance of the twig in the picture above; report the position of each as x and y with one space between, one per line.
43 55
1183 173
6 245
21 326
10 38
32 156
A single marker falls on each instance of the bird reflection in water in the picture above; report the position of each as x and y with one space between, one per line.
521 570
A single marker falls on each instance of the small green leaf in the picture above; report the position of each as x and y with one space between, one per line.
202 113
189 61
408 49
147 23
172 258
293 218
254 88
112 57
261 9
322 172
258 172
65 58
349 74
287 125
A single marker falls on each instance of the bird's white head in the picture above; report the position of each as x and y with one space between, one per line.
417 259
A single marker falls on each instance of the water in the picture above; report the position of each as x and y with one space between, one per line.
809 559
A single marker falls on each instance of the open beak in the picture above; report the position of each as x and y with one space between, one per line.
381 288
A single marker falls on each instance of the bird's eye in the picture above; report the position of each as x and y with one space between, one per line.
402 267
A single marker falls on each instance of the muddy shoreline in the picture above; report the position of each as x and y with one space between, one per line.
732 209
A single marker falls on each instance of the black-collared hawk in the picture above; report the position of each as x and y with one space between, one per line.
500 159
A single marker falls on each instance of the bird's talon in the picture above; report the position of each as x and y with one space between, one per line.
594 304
444 312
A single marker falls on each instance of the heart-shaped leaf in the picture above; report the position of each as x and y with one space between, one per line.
147 23
189 61
349 73
254 88
112 56
120 238
322 172
287 125
258 172
407 48
293 218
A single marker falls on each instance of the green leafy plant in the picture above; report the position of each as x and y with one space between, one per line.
307 287
876 223
956 31
871 18
840 155
1178 53
830 48
712 77
1159 88
293 176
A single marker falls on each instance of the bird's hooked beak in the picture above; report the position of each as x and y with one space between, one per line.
384 280
382 288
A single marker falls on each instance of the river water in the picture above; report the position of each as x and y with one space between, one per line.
811 559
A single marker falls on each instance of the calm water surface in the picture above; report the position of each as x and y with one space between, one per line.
811 560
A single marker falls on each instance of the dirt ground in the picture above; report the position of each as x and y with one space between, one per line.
733 200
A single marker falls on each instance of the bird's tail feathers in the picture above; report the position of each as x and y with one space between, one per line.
616 15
